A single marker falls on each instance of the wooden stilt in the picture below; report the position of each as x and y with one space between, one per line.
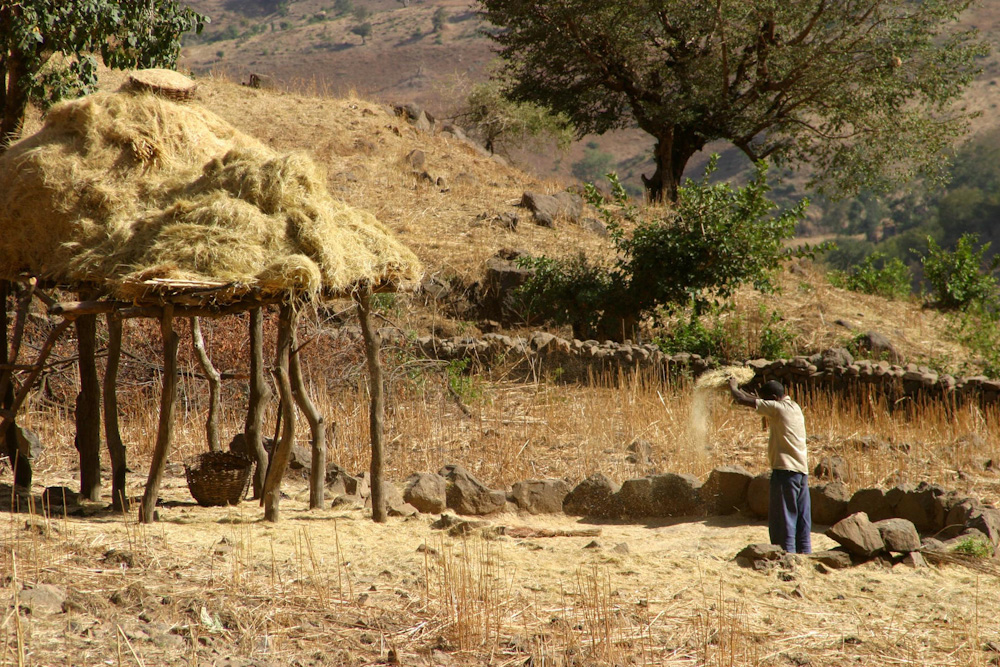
279 459
317 428
377 407
112 432
260 396
8 436
165 430
88 409
214 386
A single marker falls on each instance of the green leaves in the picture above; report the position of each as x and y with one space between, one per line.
717 239
957 278
48 47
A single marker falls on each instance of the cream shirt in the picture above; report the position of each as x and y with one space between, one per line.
786 445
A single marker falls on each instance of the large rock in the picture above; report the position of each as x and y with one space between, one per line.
759 495
959 513
547 208
831 467
42 599
341 482
987 521
858 535
467 495
835 357
427 492
760 556
594 496
502 278
540 496
635 498
924 507
871 502
877 346
725 491
837 559
676 495
898 535
829 502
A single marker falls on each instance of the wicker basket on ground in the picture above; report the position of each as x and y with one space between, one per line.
218 478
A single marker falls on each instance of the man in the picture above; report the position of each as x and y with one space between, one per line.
789 511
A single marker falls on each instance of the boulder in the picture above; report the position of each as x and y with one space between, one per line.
635 498
837 559
427 492
924 507
899 535
640 452
502 278
676 495
958 516
760 556
759 495
871 502
877 346
42 599
540 496
725 491
340 482
831 467
467 495
829 502
60 496
594 496
834 357
858 535
987 521
547 208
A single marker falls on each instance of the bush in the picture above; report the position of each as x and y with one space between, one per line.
976 547
957 278
717 239
756 335
877 274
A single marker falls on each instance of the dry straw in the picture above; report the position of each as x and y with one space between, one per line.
120 188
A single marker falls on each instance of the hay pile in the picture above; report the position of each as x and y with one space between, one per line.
131 191
706 387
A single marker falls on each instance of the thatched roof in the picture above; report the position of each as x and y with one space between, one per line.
147 197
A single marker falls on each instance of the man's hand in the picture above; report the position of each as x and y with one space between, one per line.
741 396
733 384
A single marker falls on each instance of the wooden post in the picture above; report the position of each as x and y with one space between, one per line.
317 428
8 435
260 396
214 386
377 407
88 409
279 459
165 429
112 432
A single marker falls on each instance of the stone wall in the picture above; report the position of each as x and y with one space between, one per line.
833 370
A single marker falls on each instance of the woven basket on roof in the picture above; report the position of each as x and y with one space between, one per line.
165 82
218 478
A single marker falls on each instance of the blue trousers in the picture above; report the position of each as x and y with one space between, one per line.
789 514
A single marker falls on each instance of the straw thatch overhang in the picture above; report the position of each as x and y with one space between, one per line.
148 206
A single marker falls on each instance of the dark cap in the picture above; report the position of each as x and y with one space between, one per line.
772 391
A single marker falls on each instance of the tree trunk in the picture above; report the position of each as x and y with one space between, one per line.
317 428
282 450
112 432
377 407
214 386
260 396
165 429
15 100
671 153
88 409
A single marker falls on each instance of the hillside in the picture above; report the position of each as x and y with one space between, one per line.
306 45
328 587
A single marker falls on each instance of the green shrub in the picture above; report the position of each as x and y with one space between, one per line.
759 334
978 329
957 278
976 547
877 274
716 239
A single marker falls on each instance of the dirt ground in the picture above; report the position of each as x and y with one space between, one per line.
330 587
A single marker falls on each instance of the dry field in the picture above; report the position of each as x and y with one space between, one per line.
220 586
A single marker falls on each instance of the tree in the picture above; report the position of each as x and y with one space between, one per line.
48 48
364 31
865 91
716 239
503 124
